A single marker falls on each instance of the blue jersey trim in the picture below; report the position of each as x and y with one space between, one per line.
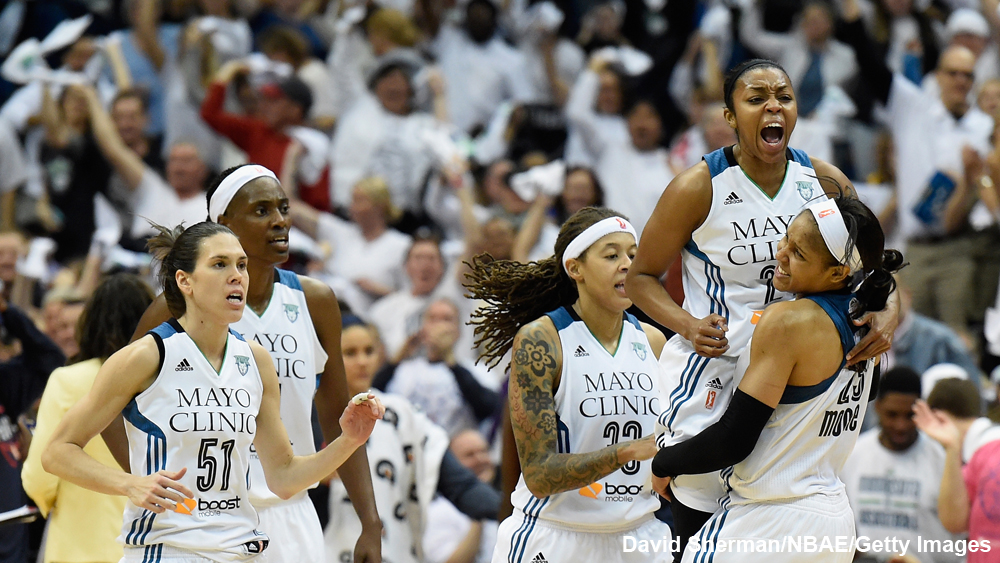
796 394
137 419
717 162
629 317
237 335
715 287
801 157
560 317
836 305
165 330
290 279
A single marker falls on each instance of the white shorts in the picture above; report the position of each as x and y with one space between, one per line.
524 540
159 552
777 533
295 532
695 392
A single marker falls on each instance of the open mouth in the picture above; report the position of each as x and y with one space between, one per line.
280 241
773 134
620 287
235 298
780 271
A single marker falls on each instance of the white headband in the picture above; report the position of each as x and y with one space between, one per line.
231 184
834 231
593 233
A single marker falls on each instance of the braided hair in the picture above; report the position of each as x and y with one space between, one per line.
516 293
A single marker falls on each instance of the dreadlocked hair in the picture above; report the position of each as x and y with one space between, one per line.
516 293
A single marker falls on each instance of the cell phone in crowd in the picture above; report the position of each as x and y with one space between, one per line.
930 208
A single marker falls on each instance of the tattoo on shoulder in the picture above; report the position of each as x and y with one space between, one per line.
535 353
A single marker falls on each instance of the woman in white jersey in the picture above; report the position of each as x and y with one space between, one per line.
583 388
796 413
196 396
725 216
297 320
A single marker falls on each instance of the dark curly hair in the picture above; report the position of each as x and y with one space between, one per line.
111 315
517 293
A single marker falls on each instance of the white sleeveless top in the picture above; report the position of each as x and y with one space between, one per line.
727 269
812 432
286 331
602 399
194 417
729 261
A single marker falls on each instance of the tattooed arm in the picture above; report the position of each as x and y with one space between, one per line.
535 369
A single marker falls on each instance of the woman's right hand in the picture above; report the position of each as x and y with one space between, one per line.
708 336
160 491
643 449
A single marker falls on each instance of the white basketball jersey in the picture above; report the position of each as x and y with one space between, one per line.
813 430
194 417
602 399
286 331
727 269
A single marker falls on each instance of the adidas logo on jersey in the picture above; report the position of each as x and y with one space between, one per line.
580 352
539 558
184 366
714 384
732 198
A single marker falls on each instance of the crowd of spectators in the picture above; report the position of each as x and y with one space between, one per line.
412 135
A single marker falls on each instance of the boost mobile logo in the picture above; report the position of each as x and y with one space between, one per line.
190 506
592 490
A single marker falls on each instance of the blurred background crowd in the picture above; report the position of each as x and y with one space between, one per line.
412 135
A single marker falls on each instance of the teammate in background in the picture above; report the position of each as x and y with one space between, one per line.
297 320
584 389
725 216
798 405
204 416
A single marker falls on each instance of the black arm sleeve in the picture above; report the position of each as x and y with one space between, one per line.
727 442
384 376
871 61
484 402
471 497
876 381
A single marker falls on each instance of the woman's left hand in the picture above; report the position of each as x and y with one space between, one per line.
357 422
882 325
662 486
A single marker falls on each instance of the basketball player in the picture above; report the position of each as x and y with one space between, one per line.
584 388
297 320
725 217
196 396
797 410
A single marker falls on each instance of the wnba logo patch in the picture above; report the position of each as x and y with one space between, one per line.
805 189
292 312
592 490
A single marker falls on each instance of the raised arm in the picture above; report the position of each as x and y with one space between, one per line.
535 367
953 498
126 374
871 61
682 208
125 161
286 473
580 106
752 33
145 32
331 398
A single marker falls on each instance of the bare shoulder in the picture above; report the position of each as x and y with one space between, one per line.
826 172
134 367
693 182
657 340
793 325
316 290
537 347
